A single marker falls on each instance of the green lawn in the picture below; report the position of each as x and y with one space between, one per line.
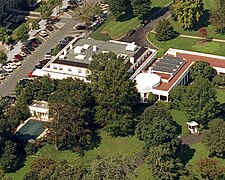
142 173
180 118
190 44
108 147
112 29
221 95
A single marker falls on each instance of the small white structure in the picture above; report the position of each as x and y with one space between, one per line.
146 82
39 110
193 127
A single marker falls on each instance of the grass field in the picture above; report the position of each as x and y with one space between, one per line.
187 44
108 147
221 95
112 29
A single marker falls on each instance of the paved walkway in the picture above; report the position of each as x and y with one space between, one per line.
192 138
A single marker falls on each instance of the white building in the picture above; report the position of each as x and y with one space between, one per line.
73 60
39 110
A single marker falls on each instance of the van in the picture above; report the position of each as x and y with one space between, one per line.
47 56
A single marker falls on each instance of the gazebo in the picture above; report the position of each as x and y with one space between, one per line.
193 127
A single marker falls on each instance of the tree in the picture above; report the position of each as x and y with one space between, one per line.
215 138
210 168
22 33
4 36
114 92
35 25
9 159
109 168
217 19
3 57
164 30
162 165
200 102
176 97
203 33
30 149
202 69
219 80
71 131
117 7
151 98
141 8
187 12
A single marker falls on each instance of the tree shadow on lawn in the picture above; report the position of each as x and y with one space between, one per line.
125 17
204 20
222 111
185 153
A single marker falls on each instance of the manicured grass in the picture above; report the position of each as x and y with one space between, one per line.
142 173
221 95
180 118
112 29
108 147
190 44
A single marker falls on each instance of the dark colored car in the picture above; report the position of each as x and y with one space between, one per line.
30 48
37 41
26 51
33 44
18 57
69 38
130 32
49 28
81 27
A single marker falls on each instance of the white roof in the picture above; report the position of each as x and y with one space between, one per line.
39 72
147 81
78 49
192 123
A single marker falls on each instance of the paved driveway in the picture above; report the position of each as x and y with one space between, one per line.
139 37
7 86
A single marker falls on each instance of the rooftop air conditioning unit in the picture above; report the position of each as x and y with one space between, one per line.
95 48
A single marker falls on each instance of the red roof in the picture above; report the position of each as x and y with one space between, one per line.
162 75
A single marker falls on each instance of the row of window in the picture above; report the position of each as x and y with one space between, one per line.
69 69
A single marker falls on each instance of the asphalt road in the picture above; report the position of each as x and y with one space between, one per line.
139 37
7 86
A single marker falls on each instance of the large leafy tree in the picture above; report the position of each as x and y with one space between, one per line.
210 168
4 35
202 69
188 12
164 30
162 165
215 138
9 159
200 102
176 97
114 92
69 128
141 8
117 7
217 19
22 33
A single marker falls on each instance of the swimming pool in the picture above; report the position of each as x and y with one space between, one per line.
31 130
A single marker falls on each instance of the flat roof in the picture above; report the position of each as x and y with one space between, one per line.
84 49
40 104
192 123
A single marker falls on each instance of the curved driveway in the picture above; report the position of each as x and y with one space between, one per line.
139 37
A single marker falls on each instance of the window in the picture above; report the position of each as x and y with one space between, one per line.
79 70
70 69
54 67
60 68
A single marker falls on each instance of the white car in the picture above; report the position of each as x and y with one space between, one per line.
17 63
2 77
7 68
23 54
12 65
43 33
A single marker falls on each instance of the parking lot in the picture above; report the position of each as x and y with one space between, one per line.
53 38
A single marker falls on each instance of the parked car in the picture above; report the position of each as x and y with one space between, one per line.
43 33
47 56
34 44
130 32
26 51
63 42
18 57
7 68
12 65
2 77
36 40
50 28
30 48
17 63
69 38
23 54
3 72
81 27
